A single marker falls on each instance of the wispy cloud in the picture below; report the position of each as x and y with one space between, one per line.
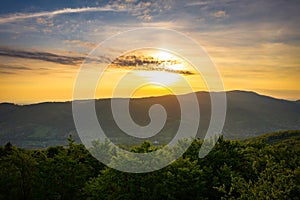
139 9
80 43
220 14
198 3
208 2
143 10
67 59
22 16
44 56
11 69
5 67
148 63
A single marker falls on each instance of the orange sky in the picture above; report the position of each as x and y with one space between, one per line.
56 83
254 45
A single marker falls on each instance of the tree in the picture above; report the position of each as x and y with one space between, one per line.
17 175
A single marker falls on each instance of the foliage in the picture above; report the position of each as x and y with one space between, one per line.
232 170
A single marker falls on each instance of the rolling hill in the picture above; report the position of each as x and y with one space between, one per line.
286 139
47 124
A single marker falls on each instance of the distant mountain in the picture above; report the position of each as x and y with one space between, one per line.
287 138
47 124
250 114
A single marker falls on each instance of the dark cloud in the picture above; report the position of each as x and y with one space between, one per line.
5 72
43 56
8 67
148 63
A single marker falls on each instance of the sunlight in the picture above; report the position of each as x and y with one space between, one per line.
159 77
162 55
176 67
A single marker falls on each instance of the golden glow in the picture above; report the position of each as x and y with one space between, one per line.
177 67
162 55
159 77
47 81
151 89
157 72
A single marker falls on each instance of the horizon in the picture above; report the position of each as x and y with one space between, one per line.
44 45
145 97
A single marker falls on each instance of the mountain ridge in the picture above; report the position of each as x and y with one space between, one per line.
50 123
227 92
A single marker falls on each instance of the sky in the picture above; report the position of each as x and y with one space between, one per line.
254 44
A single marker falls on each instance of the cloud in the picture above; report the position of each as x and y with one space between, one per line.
13 67
80 43
198 3
148 63
10 69
5 72
220 14
208 2
51 57
143 10
22 16
44 56
165 24
40 20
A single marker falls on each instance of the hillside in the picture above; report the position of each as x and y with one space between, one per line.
278 138
232 170
48 124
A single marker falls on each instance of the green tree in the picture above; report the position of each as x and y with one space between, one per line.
17 175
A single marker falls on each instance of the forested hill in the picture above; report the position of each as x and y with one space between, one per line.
46 124
232 170
286 137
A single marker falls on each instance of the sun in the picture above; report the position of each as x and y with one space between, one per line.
159 77
162 55
155 68
149 73
167 71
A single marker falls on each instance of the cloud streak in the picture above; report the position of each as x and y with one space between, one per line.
43 56
148 63
80 43
22 16
142 10
220 14
7 69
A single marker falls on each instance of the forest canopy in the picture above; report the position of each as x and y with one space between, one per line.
266 167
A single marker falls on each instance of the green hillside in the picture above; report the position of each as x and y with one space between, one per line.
265 167
278 137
